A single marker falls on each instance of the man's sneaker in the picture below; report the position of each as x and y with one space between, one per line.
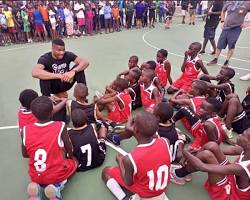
114 138
246 77
175 179
34 191
213 62
226 63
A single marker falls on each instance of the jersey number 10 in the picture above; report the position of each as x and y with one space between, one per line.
161 181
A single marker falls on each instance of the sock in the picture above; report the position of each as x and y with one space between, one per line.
181 172
115 188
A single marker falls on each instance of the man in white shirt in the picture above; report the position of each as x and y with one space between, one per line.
79 10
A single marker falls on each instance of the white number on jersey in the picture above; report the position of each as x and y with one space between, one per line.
87 148
40 158
228 189
161 180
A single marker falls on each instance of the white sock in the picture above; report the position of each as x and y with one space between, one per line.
115 188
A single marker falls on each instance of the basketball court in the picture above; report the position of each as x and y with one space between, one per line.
108 55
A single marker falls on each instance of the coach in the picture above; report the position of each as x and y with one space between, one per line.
232 26
53 70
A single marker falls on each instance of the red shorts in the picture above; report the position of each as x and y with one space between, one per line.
57 175
12 29
39 28
118 117
224 190
182 83
81 21
115 173
200 137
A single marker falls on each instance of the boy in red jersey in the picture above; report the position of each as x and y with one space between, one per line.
225 181
25 115
191 67
43 143
150 94
145 170
163 68
117 101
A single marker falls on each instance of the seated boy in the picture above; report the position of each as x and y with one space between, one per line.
150 95
191 68
205 126
117 101
225 181
88 149
246 103
163 68
224 86
25 116
145 170
81 102
44 143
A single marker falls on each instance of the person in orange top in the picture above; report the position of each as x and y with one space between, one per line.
116 17
43 9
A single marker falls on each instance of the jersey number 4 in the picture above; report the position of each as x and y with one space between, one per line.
87 149
160 181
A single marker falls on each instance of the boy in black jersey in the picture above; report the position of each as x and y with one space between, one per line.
224 86
88 144
246 103
81 102
164 112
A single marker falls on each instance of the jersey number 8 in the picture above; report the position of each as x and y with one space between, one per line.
40 158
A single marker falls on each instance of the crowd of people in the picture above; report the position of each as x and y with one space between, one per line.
44 20
61 135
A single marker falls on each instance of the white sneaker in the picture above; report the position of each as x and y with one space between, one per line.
246 77
229 133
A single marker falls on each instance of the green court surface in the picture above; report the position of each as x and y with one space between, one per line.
108 55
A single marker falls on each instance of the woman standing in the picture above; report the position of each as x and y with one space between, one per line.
69 20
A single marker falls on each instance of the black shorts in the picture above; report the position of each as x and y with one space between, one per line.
241 123
209 32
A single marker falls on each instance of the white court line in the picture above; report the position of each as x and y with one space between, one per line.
178 55
8 127
24 47
240 47
116 148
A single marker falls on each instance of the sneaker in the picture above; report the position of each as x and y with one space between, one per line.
114 138
226 63
34 191
53 192
175 179
246 77
189 23
98 94
183 22
193 23
213 62
227 132
188 178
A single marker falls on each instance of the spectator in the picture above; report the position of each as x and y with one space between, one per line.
45 16
89 19
69 21
212 21
61 19
139 11
26 23
10 24
231 27
53 21
116 17
184 8
129 10
79 9
151 10
39 30
107 16
192 10
4 39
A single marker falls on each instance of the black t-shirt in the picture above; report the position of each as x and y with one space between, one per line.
213 20
57 66
246 105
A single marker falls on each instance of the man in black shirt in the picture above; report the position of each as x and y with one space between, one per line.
212 21
53 70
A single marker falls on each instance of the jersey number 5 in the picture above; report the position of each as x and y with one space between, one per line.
87 148
40 158
161 180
